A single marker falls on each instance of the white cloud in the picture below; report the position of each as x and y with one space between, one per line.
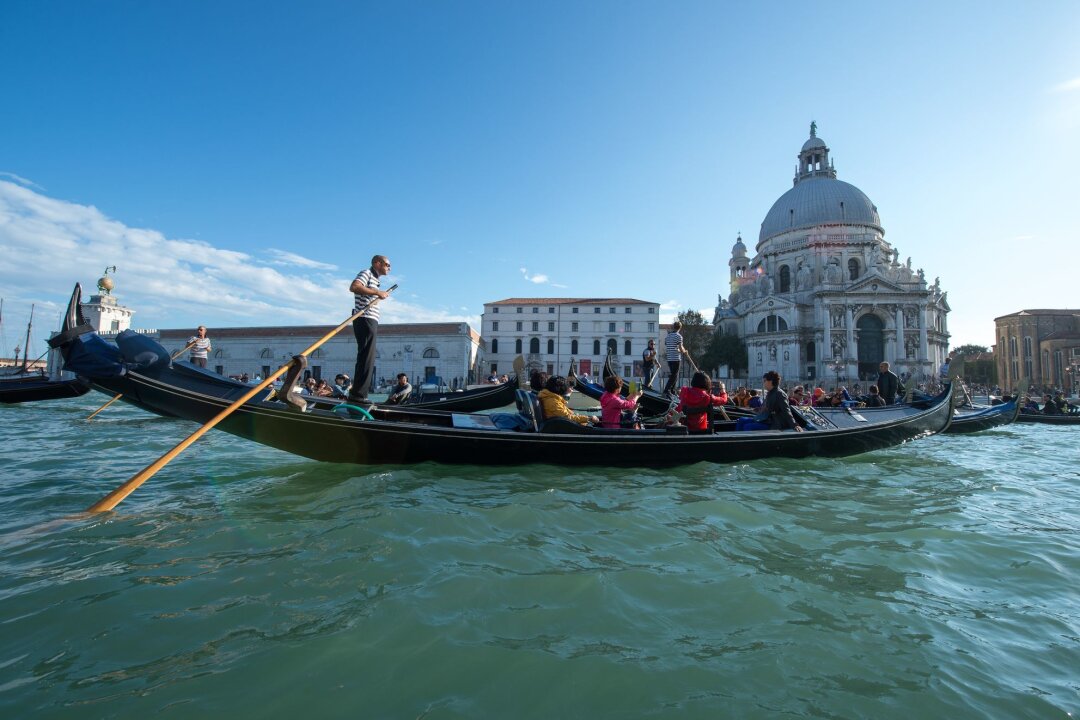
50 244
538 279
1067 86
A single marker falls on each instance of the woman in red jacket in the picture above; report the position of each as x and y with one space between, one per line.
695 401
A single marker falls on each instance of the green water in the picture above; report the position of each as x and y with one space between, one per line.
940 579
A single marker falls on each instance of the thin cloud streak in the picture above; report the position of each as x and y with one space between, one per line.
1067 86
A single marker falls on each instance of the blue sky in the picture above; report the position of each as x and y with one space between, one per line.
239 162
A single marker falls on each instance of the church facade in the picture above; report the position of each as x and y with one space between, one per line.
825 297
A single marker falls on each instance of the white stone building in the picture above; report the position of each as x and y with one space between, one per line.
548 332
423 351
825 295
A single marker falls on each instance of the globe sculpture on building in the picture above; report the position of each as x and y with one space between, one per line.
825 295
105 283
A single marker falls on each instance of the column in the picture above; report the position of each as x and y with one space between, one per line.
898 347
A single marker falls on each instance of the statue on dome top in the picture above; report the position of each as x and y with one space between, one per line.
813 128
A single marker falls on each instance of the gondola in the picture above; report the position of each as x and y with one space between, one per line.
141 370
476 400
652 403
1040 419
32 388
979 418
966 420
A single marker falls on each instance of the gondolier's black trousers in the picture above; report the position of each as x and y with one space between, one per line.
673 377
366 332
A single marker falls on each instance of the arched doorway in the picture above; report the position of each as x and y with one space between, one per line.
871 345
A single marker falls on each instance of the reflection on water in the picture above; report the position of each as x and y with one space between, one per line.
935 579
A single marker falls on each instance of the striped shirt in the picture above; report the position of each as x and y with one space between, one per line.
201 346
671 345
368 279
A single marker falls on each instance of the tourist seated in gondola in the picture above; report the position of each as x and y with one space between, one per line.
537 380
798 396
401 391
741 397
322 389
553 402
874 399
1029 406
695 401
755 400
1049 406
775 413
819 397
615 410
341 386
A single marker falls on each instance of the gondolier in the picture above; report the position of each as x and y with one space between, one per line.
649 365
200 346
673 352
365 289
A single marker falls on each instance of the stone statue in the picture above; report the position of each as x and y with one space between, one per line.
833 272
838 317
895 257
911 318
937 286
922 276
908 264
772 352
803 278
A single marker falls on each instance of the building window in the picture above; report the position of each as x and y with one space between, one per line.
773 323
573 327
573 311
595 347
495 326
652 327
626 327
431 353
551 327
853 269
1027 346
612 346
573 347
551 311
627 311
519 311
518 326
596 311
534 346
517 346
494 311
785 279
551 346
611 310
536 310
536 327
611 327
652 311
495 346
626 350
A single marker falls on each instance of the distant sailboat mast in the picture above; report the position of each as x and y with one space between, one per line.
26 345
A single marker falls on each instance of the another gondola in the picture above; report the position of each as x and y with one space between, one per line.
32 388
1041 419
140 369
977 419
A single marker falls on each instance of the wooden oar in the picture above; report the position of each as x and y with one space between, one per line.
116 496
116 397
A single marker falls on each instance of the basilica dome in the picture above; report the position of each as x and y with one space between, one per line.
818 198
819 201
